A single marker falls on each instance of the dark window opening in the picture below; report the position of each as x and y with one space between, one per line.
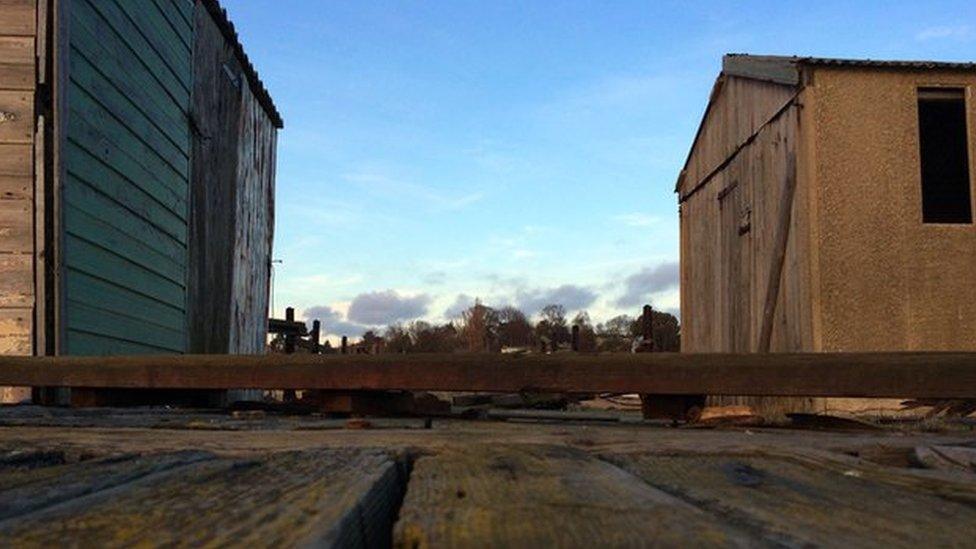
945 156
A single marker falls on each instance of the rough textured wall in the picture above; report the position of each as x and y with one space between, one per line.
886 280
253 228
17 69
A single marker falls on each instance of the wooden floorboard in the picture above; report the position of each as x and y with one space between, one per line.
545 496
119 477
798 505
282 499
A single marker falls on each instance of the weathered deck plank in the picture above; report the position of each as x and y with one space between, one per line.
544 496
282 499
799 505
101 477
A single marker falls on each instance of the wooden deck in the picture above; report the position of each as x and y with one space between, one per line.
105 477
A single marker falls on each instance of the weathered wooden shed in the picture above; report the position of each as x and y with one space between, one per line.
827 205
137 156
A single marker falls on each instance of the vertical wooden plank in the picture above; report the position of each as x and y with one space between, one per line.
254 225
217 105
782 235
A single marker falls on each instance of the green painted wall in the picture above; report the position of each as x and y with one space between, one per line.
127 158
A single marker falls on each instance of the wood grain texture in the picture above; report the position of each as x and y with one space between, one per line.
16 226
254 229
944 375
15 331
17 17
323 498
16 116
217 111
17 127
232 211
729 230
544 496
792 504
15 160
16 288
16 188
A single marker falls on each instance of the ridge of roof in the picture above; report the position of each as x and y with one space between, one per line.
219 16
784 60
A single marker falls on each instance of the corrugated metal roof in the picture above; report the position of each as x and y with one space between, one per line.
226 27
781 69
894 64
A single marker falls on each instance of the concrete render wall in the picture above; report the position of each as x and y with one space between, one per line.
882 279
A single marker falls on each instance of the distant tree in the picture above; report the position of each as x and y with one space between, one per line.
615 335
514 329
397 340
372 342
552 325
428 338
478 329
587 335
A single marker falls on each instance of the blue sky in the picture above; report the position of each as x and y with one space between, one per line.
518 152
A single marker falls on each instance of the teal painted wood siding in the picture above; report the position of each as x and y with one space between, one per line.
127 163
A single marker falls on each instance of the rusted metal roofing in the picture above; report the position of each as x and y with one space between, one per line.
226 27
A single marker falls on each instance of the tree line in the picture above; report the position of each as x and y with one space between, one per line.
481 328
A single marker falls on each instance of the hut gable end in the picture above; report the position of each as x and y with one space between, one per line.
746 96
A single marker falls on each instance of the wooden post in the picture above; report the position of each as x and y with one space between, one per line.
779 255
345 345
576 338
316 337
647 325
290 338
289 394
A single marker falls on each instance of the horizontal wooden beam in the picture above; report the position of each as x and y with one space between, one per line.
920 375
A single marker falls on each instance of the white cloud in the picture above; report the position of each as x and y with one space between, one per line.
639 286
570 296
333 321
387 307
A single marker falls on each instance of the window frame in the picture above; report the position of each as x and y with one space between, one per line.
967 97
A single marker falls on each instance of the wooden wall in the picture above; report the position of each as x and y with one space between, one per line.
18 24
127 160
254 229
216 109
730 224
232 213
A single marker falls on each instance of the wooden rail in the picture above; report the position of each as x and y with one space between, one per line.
920 375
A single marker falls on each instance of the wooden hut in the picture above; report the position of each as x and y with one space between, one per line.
137 156
827 205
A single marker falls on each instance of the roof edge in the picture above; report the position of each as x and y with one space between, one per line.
223 22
